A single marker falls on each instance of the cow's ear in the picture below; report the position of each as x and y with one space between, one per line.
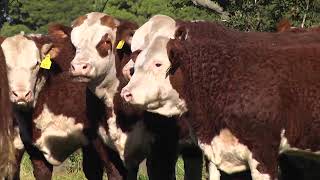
125 32
134 55
49 48
59 30
175 52
181 33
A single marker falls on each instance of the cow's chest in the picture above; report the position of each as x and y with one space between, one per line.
60 136
132 146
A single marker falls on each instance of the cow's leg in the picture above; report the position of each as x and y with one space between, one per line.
98 155
42 169
133 172
214 173
18 155
193 162
92 164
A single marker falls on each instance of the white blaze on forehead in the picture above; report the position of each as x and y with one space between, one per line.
155 51
20 52
89 33
158 25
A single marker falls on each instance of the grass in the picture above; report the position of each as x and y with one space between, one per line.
72 169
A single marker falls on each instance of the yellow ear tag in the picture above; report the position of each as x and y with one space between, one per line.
46 62
120 44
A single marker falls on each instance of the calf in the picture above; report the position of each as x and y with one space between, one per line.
6 150
62 118
246 98
99 61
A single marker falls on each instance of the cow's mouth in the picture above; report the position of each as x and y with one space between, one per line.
81 78
22 105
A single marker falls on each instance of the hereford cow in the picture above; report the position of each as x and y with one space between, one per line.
249 96
6 150
54 116
102 51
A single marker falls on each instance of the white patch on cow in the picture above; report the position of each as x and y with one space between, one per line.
227 154
60 136
17 142
132 146
286 147
158 25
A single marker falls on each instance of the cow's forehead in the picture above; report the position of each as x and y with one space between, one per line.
20 51
92 29
156 50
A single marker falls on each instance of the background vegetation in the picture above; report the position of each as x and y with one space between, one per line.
248 15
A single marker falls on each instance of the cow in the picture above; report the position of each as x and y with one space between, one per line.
102 50
285 25
6 124
54 116
250 96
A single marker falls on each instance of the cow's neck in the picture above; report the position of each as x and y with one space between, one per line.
106 87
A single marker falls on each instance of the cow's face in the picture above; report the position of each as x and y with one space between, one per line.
93 36
150 86
22 57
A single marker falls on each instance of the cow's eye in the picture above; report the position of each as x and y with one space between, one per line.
158 64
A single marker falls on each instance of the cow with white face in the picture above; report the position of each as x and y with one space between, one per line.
58 118
23 69
234 100
97 37
103 47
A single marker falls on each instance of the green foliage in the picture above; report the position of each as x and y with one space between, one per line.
247 15
8 30
265 14
35 15
141 11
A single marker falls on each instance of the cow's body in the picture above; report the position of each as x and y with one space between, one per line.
249 96
127 128
60 118
6 150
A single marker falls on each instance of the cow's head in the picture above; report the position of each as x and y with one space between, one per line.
23 56
150 86
96 38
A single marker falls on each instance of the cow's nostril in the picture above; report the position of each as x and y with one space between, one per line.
14 93
84 66
131 71
28 94
128 95
72 67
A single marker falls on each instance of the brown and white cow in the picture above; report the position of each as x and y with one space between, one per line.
248 101
6 124
55 116
100 63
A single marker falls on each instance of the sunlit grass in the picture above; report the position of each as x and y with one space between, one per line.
72 169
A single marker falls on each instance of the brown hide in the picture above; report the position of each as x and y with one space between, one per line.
6 150
255 84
